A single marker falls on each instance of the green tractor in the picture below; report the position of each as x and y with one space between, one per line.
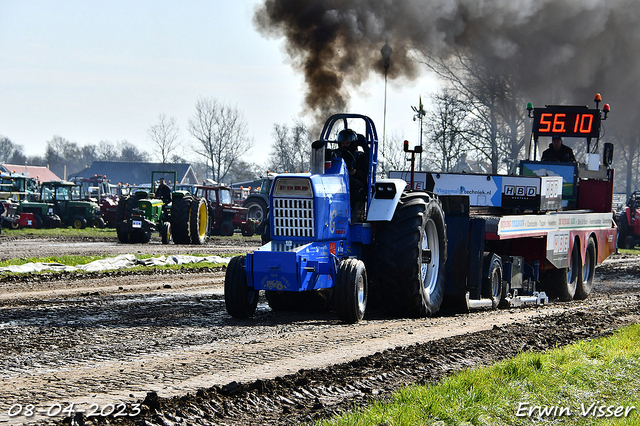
184 219
61 205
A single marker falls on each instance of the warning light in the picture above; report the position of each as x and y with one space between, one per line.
597 98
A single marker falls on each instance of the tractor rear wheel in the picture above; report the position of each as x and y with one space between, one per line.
180 212
257 211
240 300
121 225
409 255
585 283
351 290
198 221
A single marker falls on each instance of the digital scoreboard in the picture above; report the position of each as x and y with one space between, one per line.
566 122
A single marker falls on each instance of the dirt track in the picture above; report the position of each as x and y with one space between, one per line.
166 339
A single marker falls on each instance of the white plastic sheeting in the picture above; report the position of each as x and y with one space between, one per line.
118 262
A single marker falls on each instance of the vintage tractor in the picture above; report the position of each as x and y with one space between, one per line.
98 189
224 215
258 203
321 249
628 221
184 219
62 199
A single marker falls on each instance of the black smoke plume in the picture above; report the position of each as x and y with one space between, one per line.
563 51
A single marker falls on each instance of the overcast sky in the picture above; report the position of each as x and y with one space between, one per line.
91 70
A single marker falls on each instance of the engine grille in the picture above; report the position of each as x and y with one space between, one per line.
293 217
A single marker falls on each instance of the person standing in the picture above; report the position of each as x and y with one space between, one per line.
163 192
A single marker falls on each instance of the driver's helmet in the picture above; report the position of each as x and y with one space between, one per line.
347 135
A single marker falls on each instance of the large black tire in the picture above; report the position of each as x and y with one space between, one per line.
198 221
165 233
120 209
37 221
351 290
226 228
52 221
562 283
258 210
265 236
410 282
493 286
240 300
585 283
624 231
180 223
121 227
79 222
98 222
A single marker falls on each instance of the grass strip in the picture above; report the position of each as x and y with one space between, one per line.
594 382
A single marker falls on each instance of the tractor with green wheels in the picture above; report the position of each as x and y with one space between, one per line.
63 199
182 218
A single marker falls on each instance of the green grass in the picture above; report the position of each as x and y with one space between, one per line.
62 232
604 372
629 251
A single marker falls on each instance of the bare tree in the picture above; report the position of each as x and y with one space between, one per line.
291 151
130 152
221 132
394 156
447 130
165 136
10 152
490 85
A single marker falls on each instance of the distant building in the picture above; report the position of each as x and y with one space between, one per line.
41 173
134 173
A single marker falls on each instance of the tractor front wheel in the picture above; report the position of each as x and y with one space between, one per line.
240 300
165 233
351 290
98 222
79 222
226 228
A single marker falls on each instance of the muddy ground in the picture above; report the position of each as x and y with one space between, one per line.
162 344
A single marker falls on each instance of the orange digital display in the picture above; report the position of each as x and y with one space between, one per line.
566 122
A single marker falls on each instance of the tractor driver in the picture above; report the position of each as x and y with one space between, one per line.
163 192
557 151
357 163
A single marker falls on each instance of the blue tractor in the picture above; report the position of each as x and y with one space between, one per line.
385 244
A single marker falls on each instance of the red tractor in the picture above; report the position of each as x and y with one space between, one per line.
224 215
628 221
